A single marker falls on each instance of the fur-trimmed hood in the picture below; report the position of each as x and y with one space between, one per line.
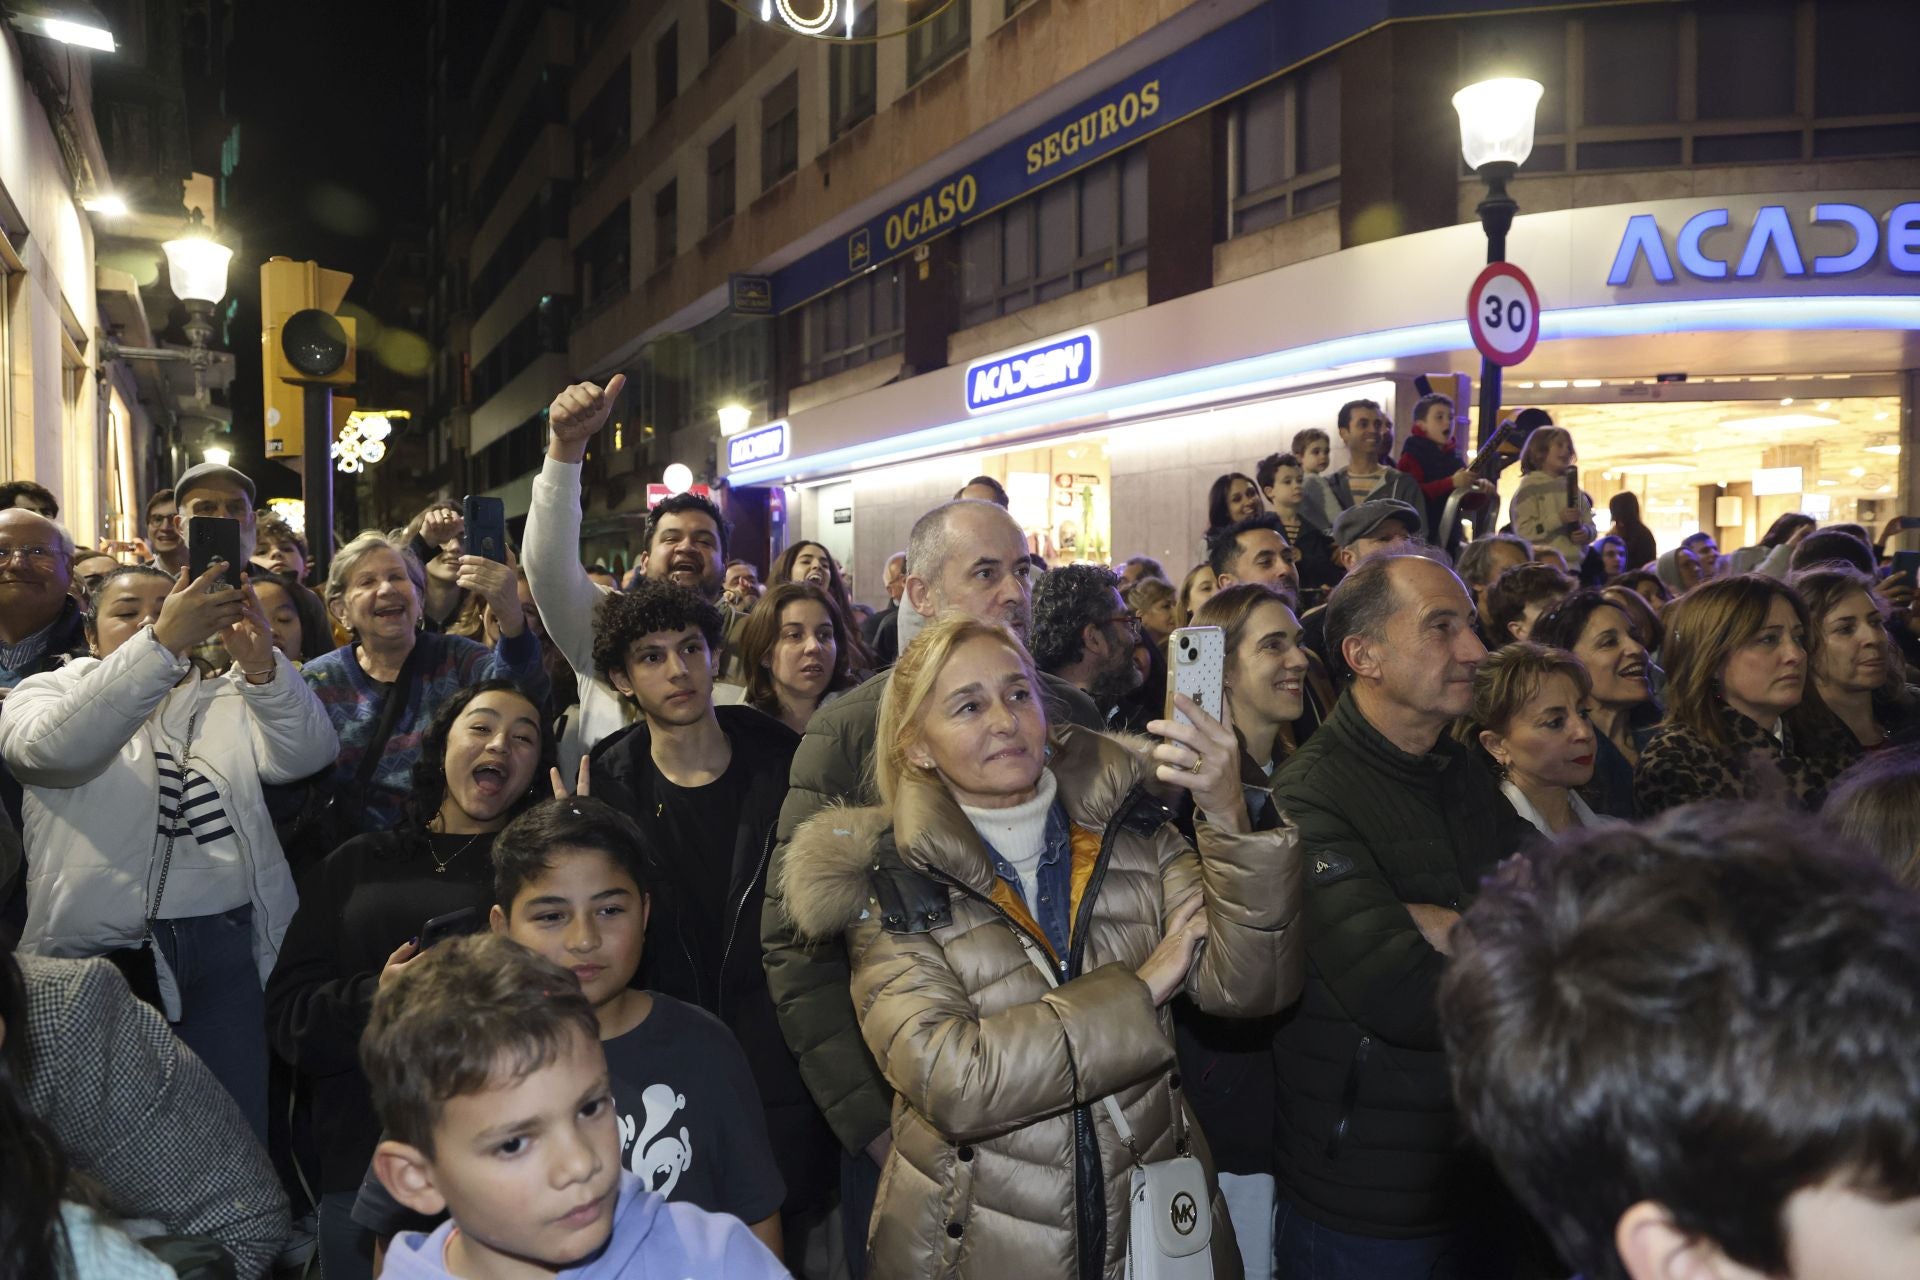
826 874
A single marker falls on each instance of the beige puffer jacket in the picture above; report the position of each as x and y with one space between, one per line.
1004 1162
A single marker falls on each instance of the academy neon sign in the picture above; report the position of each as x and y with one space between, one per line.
1064 365
1772 234
768 444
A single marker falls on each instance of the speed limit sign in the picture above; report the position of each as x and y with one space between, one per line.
1503 312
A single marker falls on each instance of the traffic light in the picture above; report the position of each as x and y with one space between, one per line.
301 341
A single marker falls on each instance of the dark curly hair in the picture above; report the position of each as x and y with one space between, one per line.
682 502
649 607
428 787
1067 601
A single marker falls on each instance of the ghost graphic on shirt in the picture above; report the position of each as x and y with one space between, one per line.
658 1164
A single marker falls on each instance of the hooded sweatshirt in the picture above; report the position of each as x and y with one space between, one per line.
650 1238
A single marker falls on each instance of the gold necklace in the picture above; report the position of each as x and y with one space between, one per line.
439 864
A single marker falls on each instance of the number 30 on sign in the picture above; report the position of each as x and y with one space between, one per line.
1503 312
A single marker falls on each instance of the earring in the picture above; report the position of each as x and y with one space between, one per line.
1046 752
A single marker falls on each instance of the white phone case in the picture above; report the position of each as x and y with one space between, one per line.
1196 666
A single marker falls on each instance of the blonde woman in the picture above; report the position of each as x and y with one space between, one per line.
1018 914
1549 509
1532 715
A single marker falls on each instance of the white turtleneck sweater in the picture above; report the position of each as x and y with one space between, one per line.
1019 834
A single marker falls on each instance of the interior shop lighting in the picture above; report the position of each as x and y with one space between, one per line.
1621 320
1887 450
1799 421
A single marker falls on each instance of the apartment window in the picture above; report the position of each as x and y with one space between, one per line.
860 322
545 218
931 43
720 180
602 262
851 76
602 131
1864 58
542 331
1284 139
1632 60
1078 232
666 69
1744 64
780 131
722 22
666 225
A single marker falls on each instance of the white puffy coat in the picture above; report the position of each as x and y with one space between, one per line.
82 741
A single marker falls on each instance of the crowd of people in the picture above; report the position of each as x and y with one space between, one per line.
1531 903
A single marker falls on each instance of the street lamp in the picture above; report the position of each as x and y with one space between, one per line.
734 419
1496 137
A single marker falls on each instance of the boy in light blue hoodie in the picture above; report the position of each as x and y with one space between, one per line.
493 1091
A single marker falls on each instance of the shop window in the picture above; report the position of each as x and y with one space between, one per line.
666 225
1864 58
1285 141
601 133
720 180
666 70
722 22
1074 234
932 43
780 131
852 75
1745 63
1632 66
601 263
858 323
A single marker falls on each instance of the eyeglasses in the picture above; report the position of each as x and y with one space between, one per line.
1130 617
38 556
158 519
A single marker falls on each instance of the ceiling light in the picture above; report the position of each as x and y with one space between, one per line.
1825 405
1786 400
105 204
1587 382
1553 384
1890 450
1829 483
1881 416
69 22
1779 421
1856 472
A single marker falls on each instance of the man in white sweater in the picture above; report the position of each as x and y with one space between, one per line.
688 548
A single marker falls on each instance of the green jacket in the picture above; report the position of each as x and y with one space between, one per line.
1365 1132
811 984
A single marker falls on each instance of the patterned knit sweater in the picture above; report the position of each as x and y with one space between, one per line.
445 665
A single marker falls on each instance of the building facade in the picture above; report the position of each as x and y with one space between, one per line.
1236 215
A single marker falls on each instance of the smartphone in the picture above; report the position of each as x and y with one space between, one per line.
1906 565
211 538
1909 522
486 527
454 924
1196 663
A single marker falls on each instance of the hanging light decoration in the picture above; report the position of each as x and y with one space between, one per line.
816 19
363 441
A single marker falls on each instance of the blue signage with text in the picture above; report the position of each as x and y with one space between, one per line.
1771 235
768 444
1026 375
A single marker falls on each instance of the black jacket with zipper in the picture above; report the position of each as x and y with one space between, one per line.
1365 1134
624 776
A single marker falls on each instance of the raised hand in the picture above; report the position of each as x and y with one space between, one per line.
197 609
1203 758
499 587
581 783
249 641
442 525
577 413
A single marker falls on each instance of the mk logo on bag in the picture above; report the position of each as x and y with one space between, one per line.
1184 1213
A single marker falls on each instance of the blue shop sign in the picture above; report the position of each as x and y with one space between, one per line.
1065 365
1772 234
768 444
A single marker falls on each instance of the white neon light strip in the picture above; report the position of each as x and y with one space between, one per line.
1620 320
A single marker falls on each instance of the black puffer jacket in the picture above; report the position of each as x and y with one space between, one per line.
623 776
1366 1139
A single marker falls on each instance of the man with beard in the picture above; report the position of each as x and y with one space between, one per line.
1084 633
964 556
704 784
686 545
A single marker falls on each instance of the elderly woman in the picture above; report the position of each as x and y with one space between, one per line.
1530 708
1736 665
1597 629
1018 915
377 589
147 836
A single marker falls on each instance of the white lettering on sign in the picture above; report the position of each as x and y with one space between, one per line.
1026 375
768 444
1771 235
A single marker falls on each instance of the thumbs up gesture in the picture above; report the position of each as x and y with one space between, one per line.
577 413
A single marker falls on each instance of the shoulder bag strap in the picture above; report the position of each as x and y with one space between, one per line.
390 708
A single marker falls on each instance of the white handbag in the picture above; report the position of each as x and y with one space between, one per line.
1169 1215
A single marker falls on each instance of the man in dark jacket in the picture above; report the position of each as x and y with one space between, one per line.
1398 825
705 785
966 557
881 631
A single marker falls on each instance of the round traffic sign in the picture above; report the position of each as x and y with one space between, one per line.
1503 312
